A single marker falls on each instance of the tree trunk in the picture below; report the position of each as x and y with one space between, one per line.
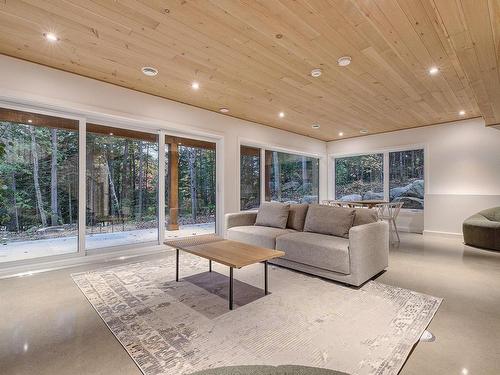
146 171
141 181
36 180
53 179
112 185
126 181
16 210
277 176
70 209
192 183
304 170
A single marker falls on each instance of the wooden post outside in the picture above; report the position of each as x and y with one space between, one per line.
173 192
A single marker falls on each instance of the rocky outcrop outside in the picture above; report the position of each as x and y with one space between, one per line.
411 194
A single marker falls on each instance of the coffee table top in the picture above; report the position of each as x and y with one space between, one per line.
230 253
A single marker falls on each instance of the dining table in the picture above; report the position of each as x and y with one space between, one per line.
367 203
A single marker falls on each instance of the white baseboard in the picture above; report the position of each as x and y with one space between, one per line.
408 230
435 233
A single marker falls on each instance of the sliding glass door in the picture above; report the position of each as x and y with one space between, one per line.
39 185
190 187
122 187
48 206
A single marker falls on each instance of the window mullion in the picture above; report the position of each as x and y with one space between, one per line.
82 188
161 186
386 176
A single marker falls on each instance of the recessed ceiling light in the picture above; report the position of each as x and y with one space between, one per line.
282 114
461 113
316 72
30 121
195 85
51 37
341 134
224 110
149 71
344 60
110 133
433 70
363 131
315 126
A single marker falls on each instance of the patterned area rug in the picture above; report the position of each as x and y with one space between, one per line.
175 328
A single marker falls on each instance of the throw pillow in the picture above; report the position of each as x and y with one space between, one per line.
365 216
335 221
272 214
297 216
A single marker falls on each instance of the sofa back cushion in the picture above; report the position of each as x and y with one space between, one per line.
297 216
335 221
492 214
272 214
365 216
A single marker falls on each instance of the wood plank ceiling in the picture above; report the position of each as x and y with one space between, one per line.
255 57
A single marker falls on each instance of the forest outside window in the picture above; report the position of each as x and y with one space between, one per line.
249 178
362 177
39 180
359 177
406 178
190 186
291 178
122 187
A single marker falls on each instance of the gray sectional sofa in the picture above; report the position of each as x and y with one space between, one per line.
342 244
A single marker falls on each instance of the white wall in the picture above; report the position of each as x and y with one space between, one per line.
462 163
32 84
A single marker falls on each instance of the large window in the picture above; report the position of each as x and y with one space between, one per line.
190 181
291 178
122 187
359 177
362 177
249 178
50 206
406 178
39 185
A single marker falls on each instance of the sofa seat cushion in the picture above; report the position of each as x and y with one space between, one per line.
315 249
257 235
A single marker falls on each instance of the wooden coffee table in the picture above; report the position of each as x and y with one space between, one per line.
229 253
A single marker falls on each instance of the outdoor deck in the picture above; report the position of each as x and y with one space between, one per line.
17 250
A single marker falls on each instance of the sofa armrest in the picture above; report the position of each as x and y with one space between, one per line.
368 250
239 219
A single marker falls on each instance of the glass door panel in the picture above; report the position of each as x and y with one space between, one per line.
122 187
39 185
190 187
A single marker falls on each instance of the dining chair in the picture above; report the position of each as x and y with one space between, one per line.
390 212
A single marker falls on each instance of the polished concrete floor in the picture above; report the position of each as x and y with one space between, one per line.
48 327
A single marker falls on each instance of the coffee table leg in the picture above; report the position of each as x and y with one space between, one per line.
209 265
176 264
265 278
230 288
